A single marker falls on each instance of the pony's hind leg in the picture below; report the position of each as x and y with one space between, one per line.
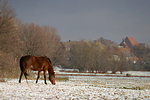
25 74
39 72
20 77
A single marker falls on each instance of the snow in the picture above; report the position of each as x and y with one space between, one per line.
132 73
78 87
137 73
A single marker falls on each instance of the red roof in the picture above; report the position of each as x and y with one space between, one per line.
129 42
132 41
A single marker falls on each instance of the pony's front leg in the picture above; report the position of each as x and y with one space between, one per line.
45 77
39 72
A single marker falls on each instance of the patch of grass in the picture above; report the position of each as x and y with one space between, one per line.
133 88
61 79
146 86
3 79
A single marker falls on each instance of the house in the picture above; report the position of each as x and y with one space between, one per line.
66 45
135 59
128 42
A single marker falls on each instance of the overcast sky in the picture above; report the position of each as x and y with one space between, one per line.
89 19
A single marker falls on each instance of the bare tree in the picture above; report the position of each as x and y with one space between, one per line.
105 60
74 53
8 65
52 46
42 40
79 55
120 61
31 37
143 53
9 40
7 18
124 63
8 27
96 58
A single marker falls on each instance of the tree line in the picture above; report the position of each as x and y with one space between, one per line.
94 56
103 55
143 53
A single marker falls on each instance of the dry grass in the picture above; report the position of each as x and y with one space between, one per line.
33 76
62 79
11 72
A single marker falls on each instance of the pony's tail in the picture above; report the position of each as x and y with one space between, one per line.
22 67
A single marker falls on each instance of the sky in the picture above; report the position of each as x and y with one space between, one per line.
89 19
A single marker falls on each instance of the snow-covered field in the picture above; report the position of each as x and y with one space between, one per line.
79 88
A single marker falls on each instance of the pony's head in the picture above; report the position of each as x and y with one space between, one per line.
52 78
51 73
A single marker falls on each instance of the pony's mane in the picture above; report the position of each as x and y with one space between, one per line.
49 60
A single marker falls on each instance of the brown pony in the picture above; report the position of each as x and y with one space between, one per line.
37 64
